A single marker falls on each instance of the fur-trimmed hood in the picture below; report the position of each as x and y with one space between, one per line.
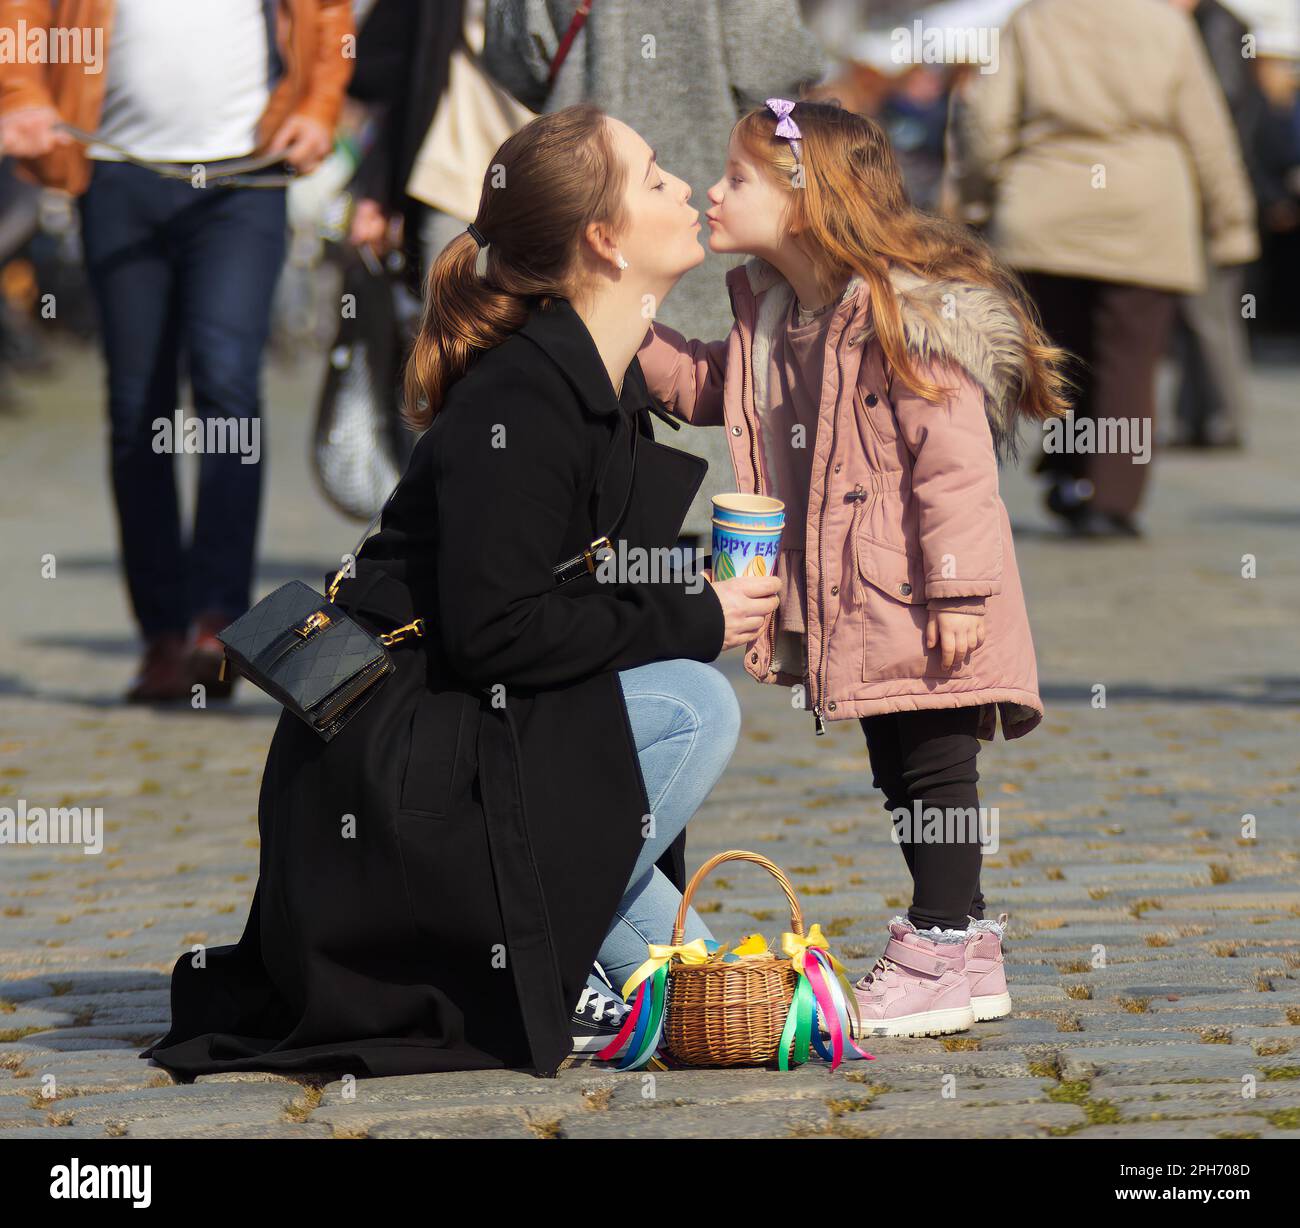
944 321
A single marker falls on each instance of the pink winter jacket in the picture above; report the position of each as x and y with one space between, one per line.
904 513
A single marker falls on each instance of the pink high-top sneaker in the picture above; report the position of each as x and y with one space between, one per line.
918 985
985 974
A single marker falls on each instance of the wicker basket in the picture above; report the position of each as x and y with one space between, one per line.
729 1014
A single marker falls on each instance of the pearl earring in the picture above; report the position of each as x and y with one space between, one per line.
622 264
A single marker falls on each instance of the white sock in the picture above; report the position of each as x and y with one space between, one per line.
934 933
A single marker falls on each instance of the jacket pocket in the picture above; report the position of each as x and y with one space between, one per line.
434 753
894 614
878 415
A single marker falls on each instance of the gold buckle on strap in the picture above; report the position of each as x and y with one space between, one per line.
333 591
589 554
415 628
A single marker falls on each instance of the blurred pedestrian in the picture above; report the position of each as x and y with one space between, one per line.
1103 144
915 115
1212 404
404 53
1277 185
681 75
177 266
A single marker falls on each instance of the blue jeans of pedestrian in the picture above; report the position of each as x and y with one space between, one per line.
178 269
685 721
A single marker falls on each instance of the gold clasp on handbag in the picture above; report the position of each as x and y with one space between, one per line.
312 623
400 633
601 543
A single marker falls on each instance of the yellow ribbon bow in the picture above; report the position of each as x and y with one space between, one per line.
795 947
689 953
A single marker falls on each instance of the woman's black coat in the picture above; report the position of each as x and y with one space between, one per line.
436 881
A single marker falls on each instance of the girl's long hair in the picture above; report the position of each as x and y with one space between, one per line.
848 199
546 183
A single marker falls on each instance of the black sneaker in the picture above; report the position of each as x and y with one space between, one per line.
1067 499
596 1020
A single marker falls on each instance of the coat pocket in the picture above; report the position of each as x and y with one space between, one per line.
894 615
434 753
878 416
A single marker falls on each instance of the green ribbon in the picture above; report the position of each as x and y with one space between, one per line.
798 1025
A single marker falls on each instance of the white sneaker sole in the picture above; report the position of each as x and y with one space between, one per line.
926 1023
991 1006
594 1044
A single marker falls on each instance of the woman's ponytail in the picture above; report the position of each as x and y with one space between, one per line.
462 315
546 183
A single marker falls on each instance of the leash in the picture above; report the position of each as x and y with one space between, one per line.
234 172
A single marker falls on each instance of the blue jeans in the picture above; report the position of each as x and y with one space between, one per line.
685 721
177 269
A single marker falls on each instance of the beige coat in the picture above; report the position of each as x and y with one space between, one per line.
1103 147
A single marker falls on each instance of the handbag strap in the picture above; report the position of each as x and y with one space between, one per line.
584 562
562 52
361 541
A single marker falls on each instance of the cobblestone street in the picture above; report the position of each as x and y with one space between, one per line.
1153 952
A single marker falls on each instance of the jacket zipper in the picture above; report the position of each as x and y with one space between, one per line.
819 719
746 359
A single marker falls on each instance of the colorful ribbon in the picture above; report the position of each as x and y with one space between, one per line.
822 995
645 1021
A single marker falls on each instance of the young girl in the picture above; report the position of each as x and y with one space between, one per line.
880 360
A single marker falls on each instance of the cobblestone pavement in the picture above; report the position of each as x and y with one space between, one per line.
1154 939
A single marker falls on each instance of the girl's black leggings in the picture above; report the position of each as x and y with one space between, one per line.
927 759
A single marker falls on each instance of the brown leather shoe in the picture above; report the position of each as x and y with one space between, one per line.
164 673
206 655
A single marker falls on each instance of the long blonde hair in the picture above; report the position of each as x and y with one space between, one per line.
847 197
546 183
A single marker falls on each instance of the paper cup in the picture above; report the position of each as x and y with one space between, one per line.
749 511
746 535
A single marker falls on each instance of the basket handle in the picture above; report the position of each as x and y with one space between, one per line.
796 913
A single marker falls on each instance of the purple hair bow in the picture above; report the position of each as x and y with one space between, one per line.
785 125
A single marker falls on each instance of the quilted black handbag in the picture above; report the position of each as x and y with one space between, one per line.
309 655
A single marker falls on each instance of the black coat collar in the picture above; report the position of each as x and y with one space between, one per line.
559 332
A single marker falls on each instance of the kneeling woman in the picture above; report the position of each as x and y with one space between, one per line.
436 882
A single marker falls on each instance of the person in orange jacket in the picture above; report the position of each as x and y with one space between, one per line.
178 260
